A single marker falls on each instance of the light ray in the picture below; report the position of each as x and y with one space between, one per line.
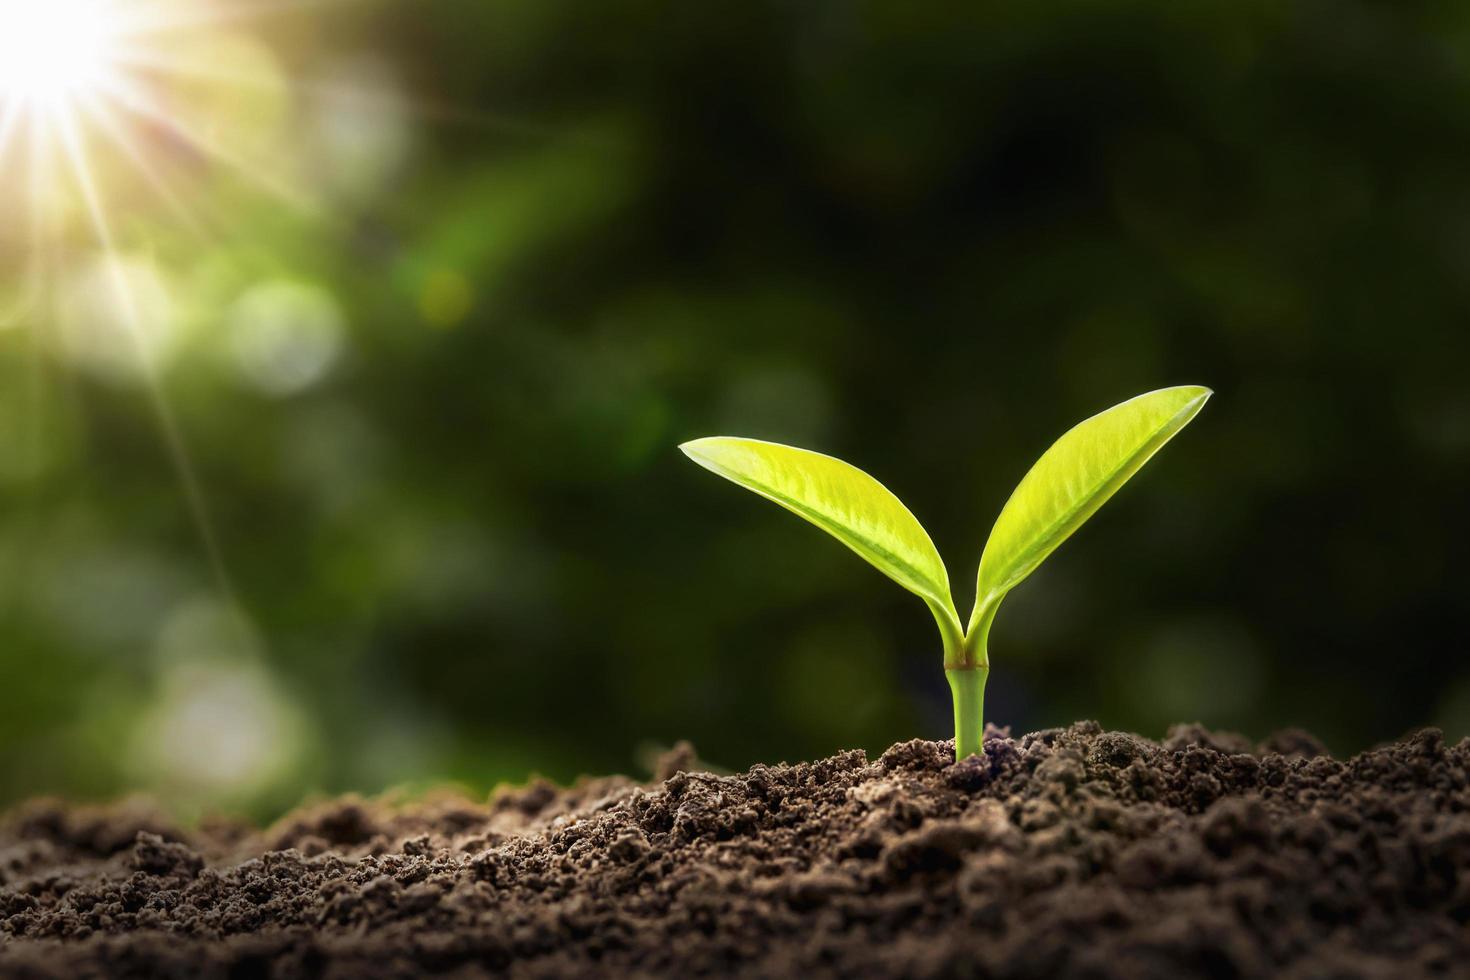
155 61
123 294
129 98
124 141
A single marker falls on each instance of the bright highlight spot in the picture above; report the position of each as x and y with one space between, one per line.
218 728
285 336
220 725
361 126
52 50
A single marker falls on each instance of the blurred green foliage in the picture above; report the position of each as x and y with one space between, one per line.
434 413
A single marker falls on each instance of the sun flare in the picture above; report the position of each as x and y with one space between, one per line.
101 97
109 111
55 50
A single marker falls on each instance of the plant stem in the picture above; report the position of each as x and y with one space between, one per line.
967 684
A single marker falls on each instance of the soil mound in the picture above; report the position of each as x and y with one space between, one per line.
1065 853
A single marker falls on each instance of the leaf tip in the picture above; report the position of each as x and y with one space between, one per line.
1199 395
710 451
1192 397
1192 391
694 447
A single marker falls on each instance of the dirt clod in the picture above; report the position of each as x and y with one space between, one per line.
1065 853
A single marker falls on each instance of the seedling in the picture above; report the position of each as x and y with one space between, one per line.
1067 485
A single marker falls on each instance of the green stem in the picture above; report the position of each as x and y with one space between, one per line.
967 684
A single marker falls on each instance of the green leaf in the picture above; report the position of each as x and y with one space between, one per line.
1071 481
843 501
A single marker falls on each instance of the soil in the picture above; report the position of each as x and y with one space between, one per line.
1065 853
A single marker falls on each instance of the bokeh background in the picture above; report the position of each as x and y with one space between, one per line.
478 266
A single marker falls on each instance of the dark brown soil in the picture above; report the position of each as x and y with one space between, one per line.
1066 853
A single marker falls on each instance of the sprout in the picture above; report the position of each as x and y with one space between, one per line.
1067 485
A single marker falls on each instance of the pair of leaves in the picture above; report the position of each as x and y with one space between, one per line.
1067 485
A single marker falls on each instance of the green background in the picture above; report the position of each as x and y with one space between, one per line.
925 237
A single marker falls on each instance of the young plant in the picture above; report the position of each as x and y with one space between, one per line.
1067 485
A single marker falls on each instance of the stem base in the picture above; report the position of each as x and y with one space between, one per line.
967 685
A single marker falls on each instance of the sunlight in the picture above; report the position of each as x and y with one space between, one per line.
110 108
53 51
71 88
